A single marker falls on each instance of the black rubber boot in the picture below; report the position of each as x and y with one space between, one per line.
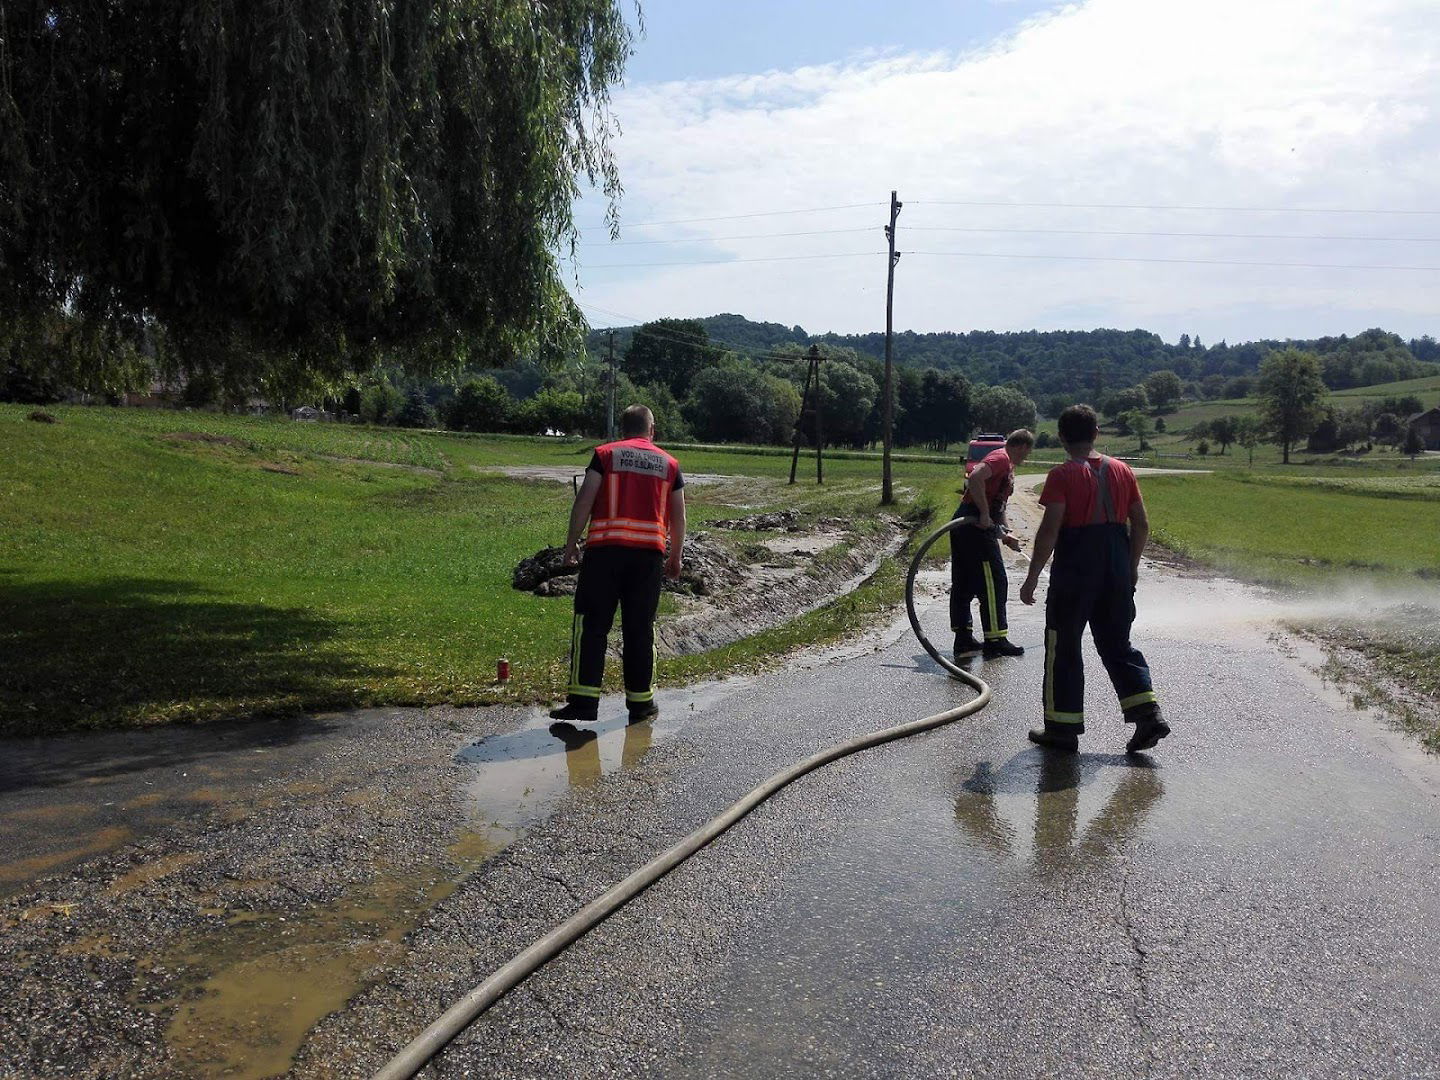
1063 741
575 713
1002 647
966 644
1149 729
645 710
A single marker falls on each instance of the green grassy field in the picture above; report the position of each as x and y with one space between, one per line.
163 566
1427 390
1298 530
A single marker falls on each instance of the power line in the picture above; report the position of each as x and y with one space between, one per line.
727 262
1144 206
1132 232
716 239
1187 262
1026 232
757 214
1007 255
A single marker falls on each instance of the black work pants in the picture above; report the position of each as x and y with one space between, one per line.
1091 584
613 575
977 572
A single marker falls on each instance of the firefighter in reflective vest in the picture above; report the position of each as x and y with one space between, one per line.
633 498
976 569
1095 524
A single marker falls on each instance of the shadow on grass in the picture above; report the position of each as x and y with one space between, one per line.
132 653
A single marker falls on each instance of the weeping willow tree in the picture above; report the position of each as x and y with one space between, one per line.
274 190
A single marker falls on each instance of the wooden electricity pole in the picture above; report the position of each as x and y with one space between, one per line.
887 491
812 386
819 417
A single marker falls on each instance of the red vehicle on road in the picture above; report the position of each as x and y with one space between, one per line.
979 447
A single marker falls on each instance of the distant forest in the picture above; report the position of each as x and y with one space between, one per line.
1042 363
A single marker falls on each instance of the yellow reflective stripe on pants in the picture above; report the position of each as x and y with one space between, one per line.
583 691
992 633
1050 714
649 694
1143 698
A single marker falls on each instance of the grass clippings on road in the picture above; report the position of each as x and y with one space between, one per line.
1391 664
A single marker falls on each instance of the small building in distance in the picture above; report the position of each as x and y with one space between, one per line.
1428 425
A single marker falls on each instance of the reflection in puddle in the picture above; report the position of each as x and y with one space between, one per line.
1064 790
521 776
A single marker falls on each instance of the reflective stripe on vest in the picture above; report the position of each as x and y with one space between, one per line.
634 509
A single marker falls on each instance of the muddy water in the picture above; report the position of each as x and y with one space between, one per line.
241 980
64 800
250 989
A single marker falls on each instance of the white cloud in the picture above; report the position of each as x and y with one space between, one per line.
1239 103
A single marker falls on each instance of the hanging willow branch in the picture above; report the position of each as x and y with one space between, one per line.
303 184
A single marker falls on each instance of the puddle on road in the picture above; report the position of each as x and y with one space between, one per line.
19 871
248 992
243 991
1060 813
521 776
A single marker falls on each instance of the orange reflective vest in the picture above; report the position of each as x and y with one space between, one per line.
633 506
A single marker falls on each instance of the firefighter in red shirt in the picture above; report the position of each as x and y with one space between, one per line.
633 498
1089 501
976 568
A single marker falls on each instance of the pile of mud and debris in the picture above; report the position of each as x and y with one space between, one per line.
732 585
707 568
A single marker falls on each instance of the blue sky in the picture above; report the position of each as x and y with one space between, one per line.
691 39
1229 168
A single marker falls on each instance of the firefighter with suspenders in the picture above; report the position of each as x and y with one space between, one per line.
633 499
1096 526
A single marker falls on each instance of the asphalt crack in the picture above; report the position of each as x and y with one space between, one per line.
1138 967
567 1023
544 875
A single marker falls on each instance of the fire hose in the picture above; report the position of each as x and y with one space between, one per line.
463 1012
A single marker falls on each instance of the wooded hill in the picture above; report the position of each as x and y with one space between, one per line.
1041 363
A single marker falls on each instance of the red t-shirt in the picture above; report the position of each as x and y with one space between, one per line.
1076 484
999 483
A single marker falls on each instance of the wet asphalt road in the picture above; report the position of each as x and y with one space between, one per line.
1258 897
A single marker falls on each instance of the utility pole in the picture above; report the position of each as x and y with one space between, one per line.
812 387
610 427
887 492
819 417
800 420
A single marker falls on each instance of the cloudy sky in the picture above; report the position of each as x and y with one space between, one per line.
1062 166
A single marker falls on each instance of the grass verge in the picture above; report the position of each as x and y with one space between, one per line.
177 567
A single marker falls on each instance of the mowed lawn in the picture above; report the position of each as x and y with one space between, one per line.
162 566
1285 528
